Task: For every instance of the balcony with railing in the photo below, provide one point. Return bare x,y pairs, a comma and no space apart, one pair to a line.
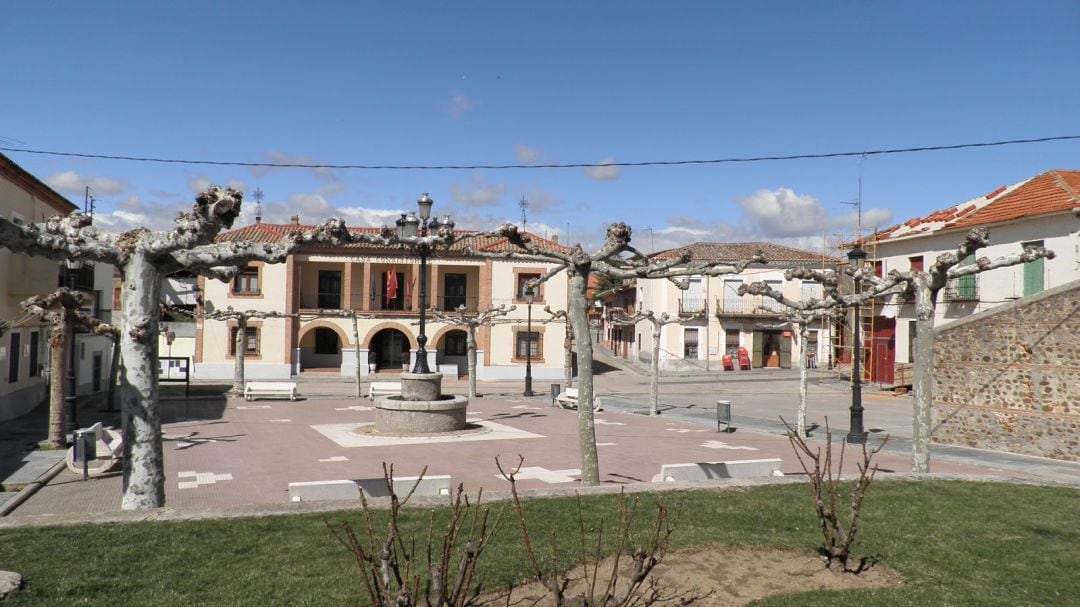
78,278
620,316
451,303
962,289
689,306
748,305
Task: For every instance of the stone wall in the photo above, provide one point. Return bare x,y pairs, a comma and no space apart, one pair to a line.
1009,379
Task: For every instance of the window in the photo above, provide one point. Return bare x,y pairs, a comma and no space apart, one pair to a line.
455,343
522,282
527,345
731,342
454,292
879,268
13,357
811,290
916,263
769,303
812,349
326,341
247,281
251,345
690,343
329,289
1033,271
733,302
34,347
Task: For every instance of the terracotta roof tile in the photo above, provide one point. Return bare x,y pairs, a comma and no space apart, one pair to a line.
271,232
738,251
1050,192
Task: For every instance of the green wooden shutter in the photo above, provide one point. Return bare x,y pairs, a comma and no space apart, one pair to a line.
965,285
1033,271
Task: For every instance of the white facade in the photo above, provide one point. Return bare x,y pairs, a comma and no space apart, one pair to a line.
1058,232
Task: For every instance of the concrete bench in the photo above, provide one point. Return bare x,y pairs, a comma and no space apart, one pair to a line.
701,471
568,399
109,450
384,388
256,389
311,491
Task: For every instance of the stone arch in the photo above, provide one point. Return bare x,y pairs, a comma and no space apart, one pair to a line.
344,336
390,325
433,342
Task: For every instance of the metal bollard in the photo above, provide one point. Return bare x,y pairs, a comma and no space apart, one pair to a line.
723,415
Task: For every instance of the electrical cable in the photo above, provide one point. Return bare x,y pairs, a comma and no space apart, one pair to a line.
576,165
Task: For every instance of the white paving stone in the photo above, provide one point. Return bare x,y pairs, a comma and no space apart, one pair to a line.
605,444
336,458
717,444
527,407
254,407
545,475
343,435
279,421
355,408
604,422
201,478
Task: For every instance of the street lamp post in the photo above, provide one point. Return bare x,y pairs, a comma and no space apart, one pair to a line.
529,295
416,230
856,434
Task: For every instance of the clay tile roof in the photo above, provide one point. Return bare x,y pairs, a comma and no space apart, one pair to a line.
1050,192
737,251
270,233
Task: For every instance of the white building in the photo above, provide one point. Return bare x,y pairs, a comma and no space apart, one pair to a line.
731,321
1041,211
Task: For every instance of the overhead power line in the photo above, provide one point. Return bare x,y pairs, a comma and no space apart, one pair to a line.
575,165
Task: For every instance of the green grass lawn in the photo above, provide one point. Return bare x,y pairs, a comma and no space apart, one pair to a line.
956,543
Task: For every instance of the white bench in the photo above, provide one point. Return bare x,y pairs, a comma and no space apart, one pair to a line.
701,471
568,399
384,388
255,389
109,447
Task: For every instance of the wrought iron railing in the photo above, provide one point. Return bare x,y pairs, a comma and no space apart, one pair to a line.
691,305
964,288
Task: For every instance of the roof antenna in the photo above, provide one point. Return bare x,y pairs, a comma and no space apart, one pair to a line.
858,203
258,196
524,204
88,203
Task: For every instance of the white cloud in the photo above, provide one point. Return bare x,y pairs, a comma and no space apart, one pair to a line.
70,182
604,172
198,184
132,212
782,213
370,218
527,154
459,105
871,220
478,194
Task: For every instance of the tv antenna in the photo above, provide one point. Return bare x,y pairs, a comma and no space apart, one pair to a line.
88,202
524,204
258,196
857,203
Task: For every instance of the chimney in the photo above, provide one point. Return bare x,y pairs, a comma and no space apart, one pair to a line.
258,213
295,219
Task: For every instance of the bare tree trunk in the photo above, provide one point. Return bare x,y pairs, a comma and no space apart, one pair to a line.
922,370
240,348
804,335
144,469
590,465
58,362
654,381
568,355
470,352
356,343
114,375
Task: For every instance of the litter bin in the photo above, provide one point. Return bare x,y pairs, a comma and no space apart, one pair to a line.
85,449
556,390
723,415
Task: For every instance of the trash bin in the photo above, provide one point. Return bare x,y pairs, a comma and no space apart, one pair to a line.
556,390
723,415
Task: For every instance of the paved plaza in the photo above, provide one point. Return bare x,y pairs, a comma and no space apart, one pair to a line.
227,454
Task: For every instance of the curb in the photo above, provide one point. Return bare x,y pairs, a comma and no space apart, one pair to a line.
29,490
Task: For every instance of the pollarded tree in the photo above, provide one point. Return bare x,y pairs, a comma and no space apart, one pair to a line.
658,323
356,336
568,344
471,322
618,259
924,286
144,258
61,309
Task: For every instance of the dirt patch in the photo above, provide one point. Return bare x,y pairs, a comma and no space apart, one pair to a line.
734,576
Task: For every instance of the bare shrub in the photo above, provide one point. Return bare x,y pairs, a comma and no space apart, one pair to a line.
839,531
441,573
622,580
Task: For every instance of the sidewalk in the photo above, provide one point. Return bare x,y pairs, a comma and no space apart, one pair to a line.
229,455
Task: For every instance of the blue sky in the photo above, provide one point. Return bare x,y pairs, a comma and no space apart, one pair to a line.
409,83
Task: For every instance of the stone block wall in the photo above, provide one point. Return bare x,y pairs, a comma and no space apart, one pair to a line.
1009,379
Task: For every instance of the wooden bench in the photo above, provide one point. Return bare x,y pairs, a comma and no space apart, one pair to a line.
109,450
383,388
256,389
568,399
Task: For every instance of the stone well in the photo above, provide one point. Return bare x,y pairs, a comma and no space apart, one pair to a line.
421,408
